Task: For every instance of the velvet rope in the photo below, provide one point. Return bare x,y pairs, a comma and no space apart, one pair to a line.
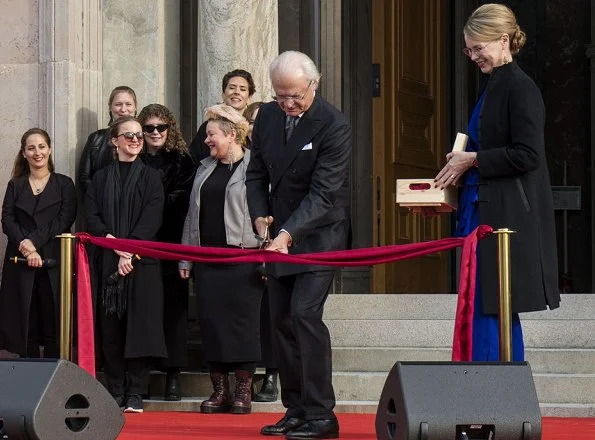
346,258
86,336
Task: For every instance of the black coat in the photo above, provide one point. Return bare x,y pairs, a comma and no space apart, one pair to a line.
177,175
308,178
97,153
54,214
144,337
198,149
515,192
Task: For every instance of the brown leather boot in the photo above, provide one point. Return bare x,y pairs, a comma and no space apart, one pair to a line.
242,403
220,400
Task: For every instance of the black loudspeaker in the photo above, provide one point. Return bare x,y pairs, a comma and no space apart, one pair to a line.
55,400
459,401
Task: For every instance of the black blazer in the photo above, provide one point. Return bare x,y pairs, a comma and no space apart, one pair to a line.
54,214
308,178
198,149
515,192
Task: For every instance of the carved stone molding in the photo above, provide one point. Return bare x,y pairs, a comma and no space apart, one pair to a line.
69,75
234,34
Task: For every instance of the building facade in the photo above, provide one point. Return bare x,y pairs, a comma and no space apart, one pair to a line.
395,68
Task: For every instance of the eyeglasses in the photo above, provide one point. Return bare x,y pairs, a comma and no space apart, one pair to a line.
130,135
294,98
476,50
151,128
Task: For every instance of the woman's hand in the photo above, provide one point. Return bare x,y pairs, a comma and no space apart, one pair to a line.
457,163
34,260
125,266
120,254
184,273
27,247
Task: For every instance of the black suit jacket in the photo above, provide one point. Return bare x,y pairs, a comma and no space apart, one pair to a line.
304,183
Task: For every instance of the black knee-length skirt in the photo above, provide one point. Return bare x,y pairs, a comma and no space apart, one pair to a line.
229,298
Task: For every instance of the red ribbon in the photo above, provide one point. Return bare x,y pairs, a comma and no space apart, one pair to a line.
354,257
86,336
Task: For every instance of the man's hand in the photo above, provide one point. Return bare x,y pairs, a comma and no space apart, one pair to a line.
280,243
184,273
261,224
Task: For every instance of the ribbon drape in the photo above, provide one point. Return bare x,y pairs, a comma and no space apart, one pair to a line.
353,257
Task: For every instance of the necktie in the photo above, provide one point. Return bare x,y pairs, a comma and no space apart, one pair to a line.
290,123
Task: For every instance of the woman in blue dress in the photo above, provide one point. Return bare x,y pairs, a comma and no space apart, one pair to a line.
504,181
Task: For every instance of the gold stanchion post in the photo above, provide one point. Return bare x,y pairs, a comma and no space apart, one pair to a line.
505,303
66,251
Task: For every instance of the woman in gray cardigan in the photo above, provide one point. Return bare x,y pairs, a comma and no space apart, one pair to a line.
229,295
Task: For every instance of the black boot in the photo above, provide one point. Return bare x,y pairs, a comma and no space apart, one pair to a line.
173,387
268,392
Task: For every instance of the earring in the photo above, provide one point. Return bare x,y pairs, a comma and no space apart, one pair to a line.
230,156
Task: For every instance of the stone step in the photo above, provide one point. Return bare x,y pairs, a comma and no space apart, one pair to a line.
438,307
360,407
374,359
356,386
439,333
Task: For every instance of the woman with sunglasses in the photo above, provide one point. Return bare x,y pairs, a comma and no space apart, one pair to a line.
166,151
228,295
38,205
98,151
505,180
125,200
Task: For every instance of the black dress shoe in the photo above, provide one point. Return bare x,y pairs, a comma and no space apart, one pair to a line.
324,428
173,387
283,426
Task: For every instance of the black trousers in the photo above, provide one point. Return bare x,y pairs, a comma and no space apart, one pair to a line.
302,343
42,318
175,319
123,376
267,354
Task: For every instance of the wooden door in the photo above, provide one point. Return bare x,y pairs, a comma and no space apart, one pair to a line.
408,134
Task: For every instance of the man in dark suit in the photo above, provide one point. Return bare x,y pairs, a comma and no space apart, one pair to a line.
298,180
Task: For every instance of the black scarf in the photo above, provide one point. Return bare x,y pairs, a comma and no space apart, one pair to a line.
118,214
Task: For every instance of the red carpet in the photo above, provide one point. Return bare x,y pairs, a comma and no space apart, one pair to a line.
169,426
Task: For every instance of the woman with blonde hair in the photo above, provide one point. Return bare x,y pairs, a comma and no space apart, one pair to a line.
98,150
229,295
505,180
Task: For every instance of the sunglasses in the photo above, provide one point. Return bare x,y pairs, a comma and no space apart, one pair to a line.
151,128
130,135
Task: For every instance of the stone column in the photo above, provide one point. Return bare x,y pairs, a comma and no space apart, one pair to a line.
141,41
234,34
69,78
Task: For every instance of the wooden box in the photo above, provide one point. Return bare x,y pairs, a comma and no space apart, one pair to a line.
419,193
